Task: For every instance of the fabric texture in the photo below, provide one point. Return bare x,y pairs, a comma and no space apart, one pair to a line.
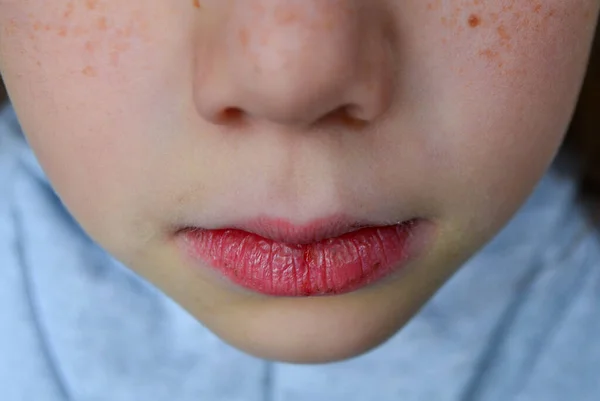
519,321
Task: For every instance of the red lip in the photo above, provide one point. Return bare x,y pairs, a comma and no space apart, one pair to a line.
280,230
327,256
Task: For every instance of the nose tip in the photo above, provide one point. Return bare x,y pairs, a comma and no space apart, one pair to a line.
296,62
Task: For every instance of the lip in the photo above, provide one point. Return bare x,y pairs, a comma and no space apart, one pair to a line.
325,257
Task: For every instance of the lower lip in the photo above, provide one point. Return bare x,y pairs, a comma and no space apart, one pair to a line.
328,267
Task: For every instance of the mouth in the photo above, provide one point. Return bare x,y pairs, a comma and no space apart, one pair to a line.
326,257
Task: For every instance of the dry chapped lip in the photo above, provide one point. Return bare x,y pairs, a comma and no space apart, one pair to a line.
284,264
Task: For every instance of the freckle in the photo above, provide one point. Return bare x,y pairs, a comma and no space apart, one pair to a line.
489,54
326,25
434,5
507,7
537,8
89,46
124,33
286,16
244,37
69,10
47,27
89,71
502,33
196,3
121,47
62,31
91,4
101,23
474,21
129,30
79,30
37,25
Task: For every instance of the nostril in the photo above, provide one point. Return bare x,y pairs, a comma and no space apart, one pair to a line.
347,116
230,116
355,116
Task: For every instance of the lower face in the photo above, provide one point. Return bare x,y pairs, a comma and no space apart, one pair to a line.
301,176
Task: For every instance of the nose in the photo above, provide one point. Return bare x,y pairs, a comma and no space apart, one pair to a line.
295,63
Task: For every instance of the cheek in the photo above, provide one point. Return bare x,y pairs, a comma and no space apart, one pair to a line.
504,105
519,73
65,50
55,56
517,49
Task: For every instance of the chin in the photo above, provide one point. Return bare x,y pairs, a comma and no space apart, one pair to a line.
315,330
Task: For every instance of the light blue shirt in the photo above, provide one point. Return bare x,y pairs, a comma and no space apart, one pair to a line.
520,321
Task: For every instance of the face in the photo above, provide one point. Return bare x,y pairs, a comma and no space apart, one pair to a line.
271,123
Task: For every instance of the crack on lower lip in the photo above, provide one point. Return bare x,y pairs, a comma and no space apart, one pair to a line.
333,267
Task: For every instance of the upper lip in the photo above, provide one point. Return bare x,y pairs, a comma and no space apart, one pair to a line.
282,230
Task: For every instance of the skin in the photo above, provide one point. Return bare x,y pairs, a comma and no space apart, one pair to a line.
456,110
